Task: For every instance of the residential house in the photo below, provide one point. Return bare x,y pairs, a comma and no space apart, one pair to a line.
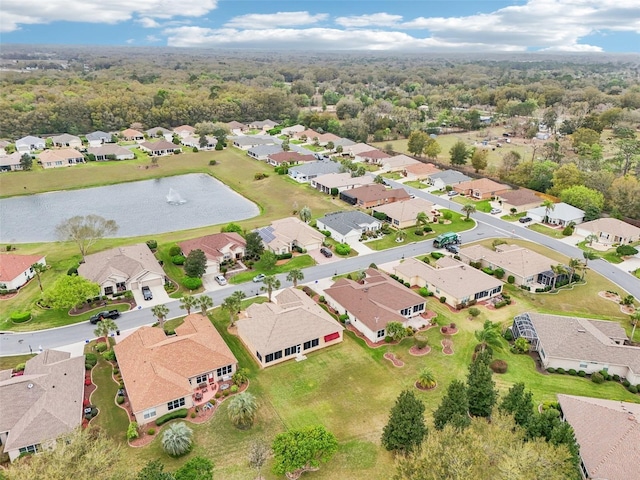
41,405
355,149
307,172
132,135
290,131
308,135
458,283
481,188
160,148
372,156
610,231
16,270
30,144
111,152
245,142
375,302
562,214
522,199
325,138
370,196
344,143
237,127
397,163
123,268
66,140
441,180
9,163
287,233
218,248
403,214
64,157
98,138
165,373
184,131
608,433
193,141
160,132
340,181
420,171
262,152
580,344
290,327
348,226
291,158
263,125
526,266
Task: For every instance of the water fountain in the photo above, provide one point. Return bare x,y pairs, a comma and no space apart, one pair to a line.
174,198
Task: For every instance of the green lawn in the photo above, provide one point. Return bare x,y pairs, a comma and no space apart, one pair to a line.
481,205
9,363
549,232
415,184
392,175
301,261
513,217
315,148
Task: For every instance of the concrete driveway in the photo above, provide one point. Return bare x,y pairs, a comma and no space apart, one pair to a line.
320,258
160,296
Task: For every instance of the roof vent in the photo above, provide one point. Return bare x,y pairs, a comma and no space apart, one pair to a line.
581,330
30,385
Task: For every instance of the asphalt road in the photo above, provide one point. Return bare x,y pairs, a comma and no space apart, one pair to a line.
488,226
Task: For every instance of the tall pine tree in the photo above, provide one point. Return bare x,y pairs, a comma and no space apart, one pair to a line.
454,408
481,387
406,428
518,403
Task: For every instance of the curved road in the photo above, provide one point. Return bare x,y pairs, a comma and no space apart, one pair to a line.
488,226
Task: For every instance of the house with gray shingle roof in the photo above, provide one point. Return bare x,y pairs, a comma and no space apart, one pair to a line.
562,214
98,138
340,181
580,344
344,143
288,328
349,226
160,132
29,144
307,172
42,404
245,142
111,152
262,152
67,140
447,177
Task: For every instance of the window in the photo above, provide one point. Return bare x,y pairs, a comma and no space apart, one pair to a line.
496,290
310,344
173,404
226,370
405,312
277,355
380,333
268,358
149,413
331,336
583,365
201,378
418,308
290,351
31,449
259,356
481,294
108,290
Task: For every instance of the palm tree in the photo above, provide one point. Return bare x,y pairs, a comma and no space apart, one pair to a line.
242,410
489,335
295,275
233,304
426,379
187,303
38,268
591,238
634,321
271,283
305,214
104,328
160,312
400,236
574,264
421,219
204,302
558,270
588,255
549,206
177,439
469,208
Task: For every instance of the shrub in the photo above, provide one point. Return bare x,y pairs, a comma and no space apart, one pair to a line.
152,244
180,413
20,317
101,347
90,360
213,162
109,356
191,283
436,255
551,370
388,339
225,393
626,250
119,399
498,273
132,431
427,229
174,250
260,176
511,279
116,370
72,271
284,256
626,383
567,231
193,415
444,330
424,291
616,377
632,389
508,335
234,388
19,367
151,431
560,370
443,299
344,317
178,259
582,373
418,232
498,366
343,249
572,372
605,374
597,378
218,395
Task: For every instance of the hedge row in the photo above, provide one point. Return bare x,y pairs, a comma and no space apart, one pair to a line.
181,413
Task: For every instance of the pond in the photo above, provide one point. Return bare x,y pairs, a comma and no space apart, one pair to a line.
139,208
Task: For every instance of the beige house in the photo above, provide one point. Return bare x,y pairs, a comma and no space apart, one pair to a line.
371,156
526,266
397,164
608,432
123,268
67,140
609,231
288,328
286,233
403,214
12,162
163,373
111,152
580,344
184,131
160,148
376,302
457,282
132,135
369,196
481,189
64,157
42,405
356,149
218,248
521,199
340,181
420,171
16,270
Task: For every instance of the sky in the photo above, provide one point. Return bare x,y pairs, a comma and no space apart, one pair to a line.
350,25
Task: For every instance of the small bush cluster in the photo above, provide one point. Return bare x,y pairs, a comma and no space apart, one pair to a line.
174,250
19,367
436,255
511,279
180,413
284,256
101,347
109,356
498,366
191,283
152,431
343,249
551,370
132,431
561,371
72,271
178,259
213,162
119,399
20,317
344,317
582,373
260,176
90,360
632,389
597,378
424,292
152,244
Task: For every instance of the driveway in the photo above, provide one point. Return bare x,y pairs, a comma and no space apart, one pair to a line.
361,248
320,258
160,296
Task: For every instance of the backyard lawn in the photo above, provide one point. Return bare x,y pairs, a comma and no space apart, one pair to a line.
301,261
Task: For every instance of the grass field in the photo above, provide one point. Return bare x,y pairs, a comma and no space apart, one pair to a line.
549,232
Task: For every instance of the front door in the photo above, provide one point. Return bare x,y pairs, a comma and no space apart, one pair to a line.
298,349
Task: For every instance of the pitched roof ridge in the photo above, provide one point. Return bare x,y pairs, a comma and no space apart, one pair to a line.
621,438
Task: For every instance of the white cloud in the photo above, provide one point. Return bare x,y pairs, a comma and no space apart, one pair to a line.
25,12
273,20
153,38
147,22
375,19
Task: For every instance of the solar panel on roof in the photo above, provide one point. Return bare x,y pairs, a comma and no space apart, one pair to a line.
266,234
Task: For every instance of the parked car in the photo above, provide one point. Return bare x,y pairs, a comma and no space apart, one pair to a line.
98,317
412,195
146,293
453,249
495,211
524,219
326,252
259,277
221,280
452,193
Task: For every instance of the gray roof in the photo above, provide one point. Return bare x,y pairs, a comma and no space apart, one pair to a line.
45,402
111,149
244,140
344,142
263,150
65,138
345,222
30,140
317,168
152,132
450,177
562,211
8,160
98,135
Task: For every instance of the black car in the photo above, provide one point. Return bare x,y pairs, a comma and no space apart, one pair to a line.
453,248
326,252
524,219
146,293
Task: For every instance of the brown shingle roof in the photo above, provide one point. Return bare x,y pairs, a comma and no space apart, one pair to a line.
612,226
521,196
374,154
156,368
13,265
212,245
484,185
371,193
406,210
130,133
62,154
518,260
422,168
291,157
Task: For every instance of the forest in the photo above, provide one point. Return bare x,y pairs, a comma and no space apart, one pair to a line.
589,104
